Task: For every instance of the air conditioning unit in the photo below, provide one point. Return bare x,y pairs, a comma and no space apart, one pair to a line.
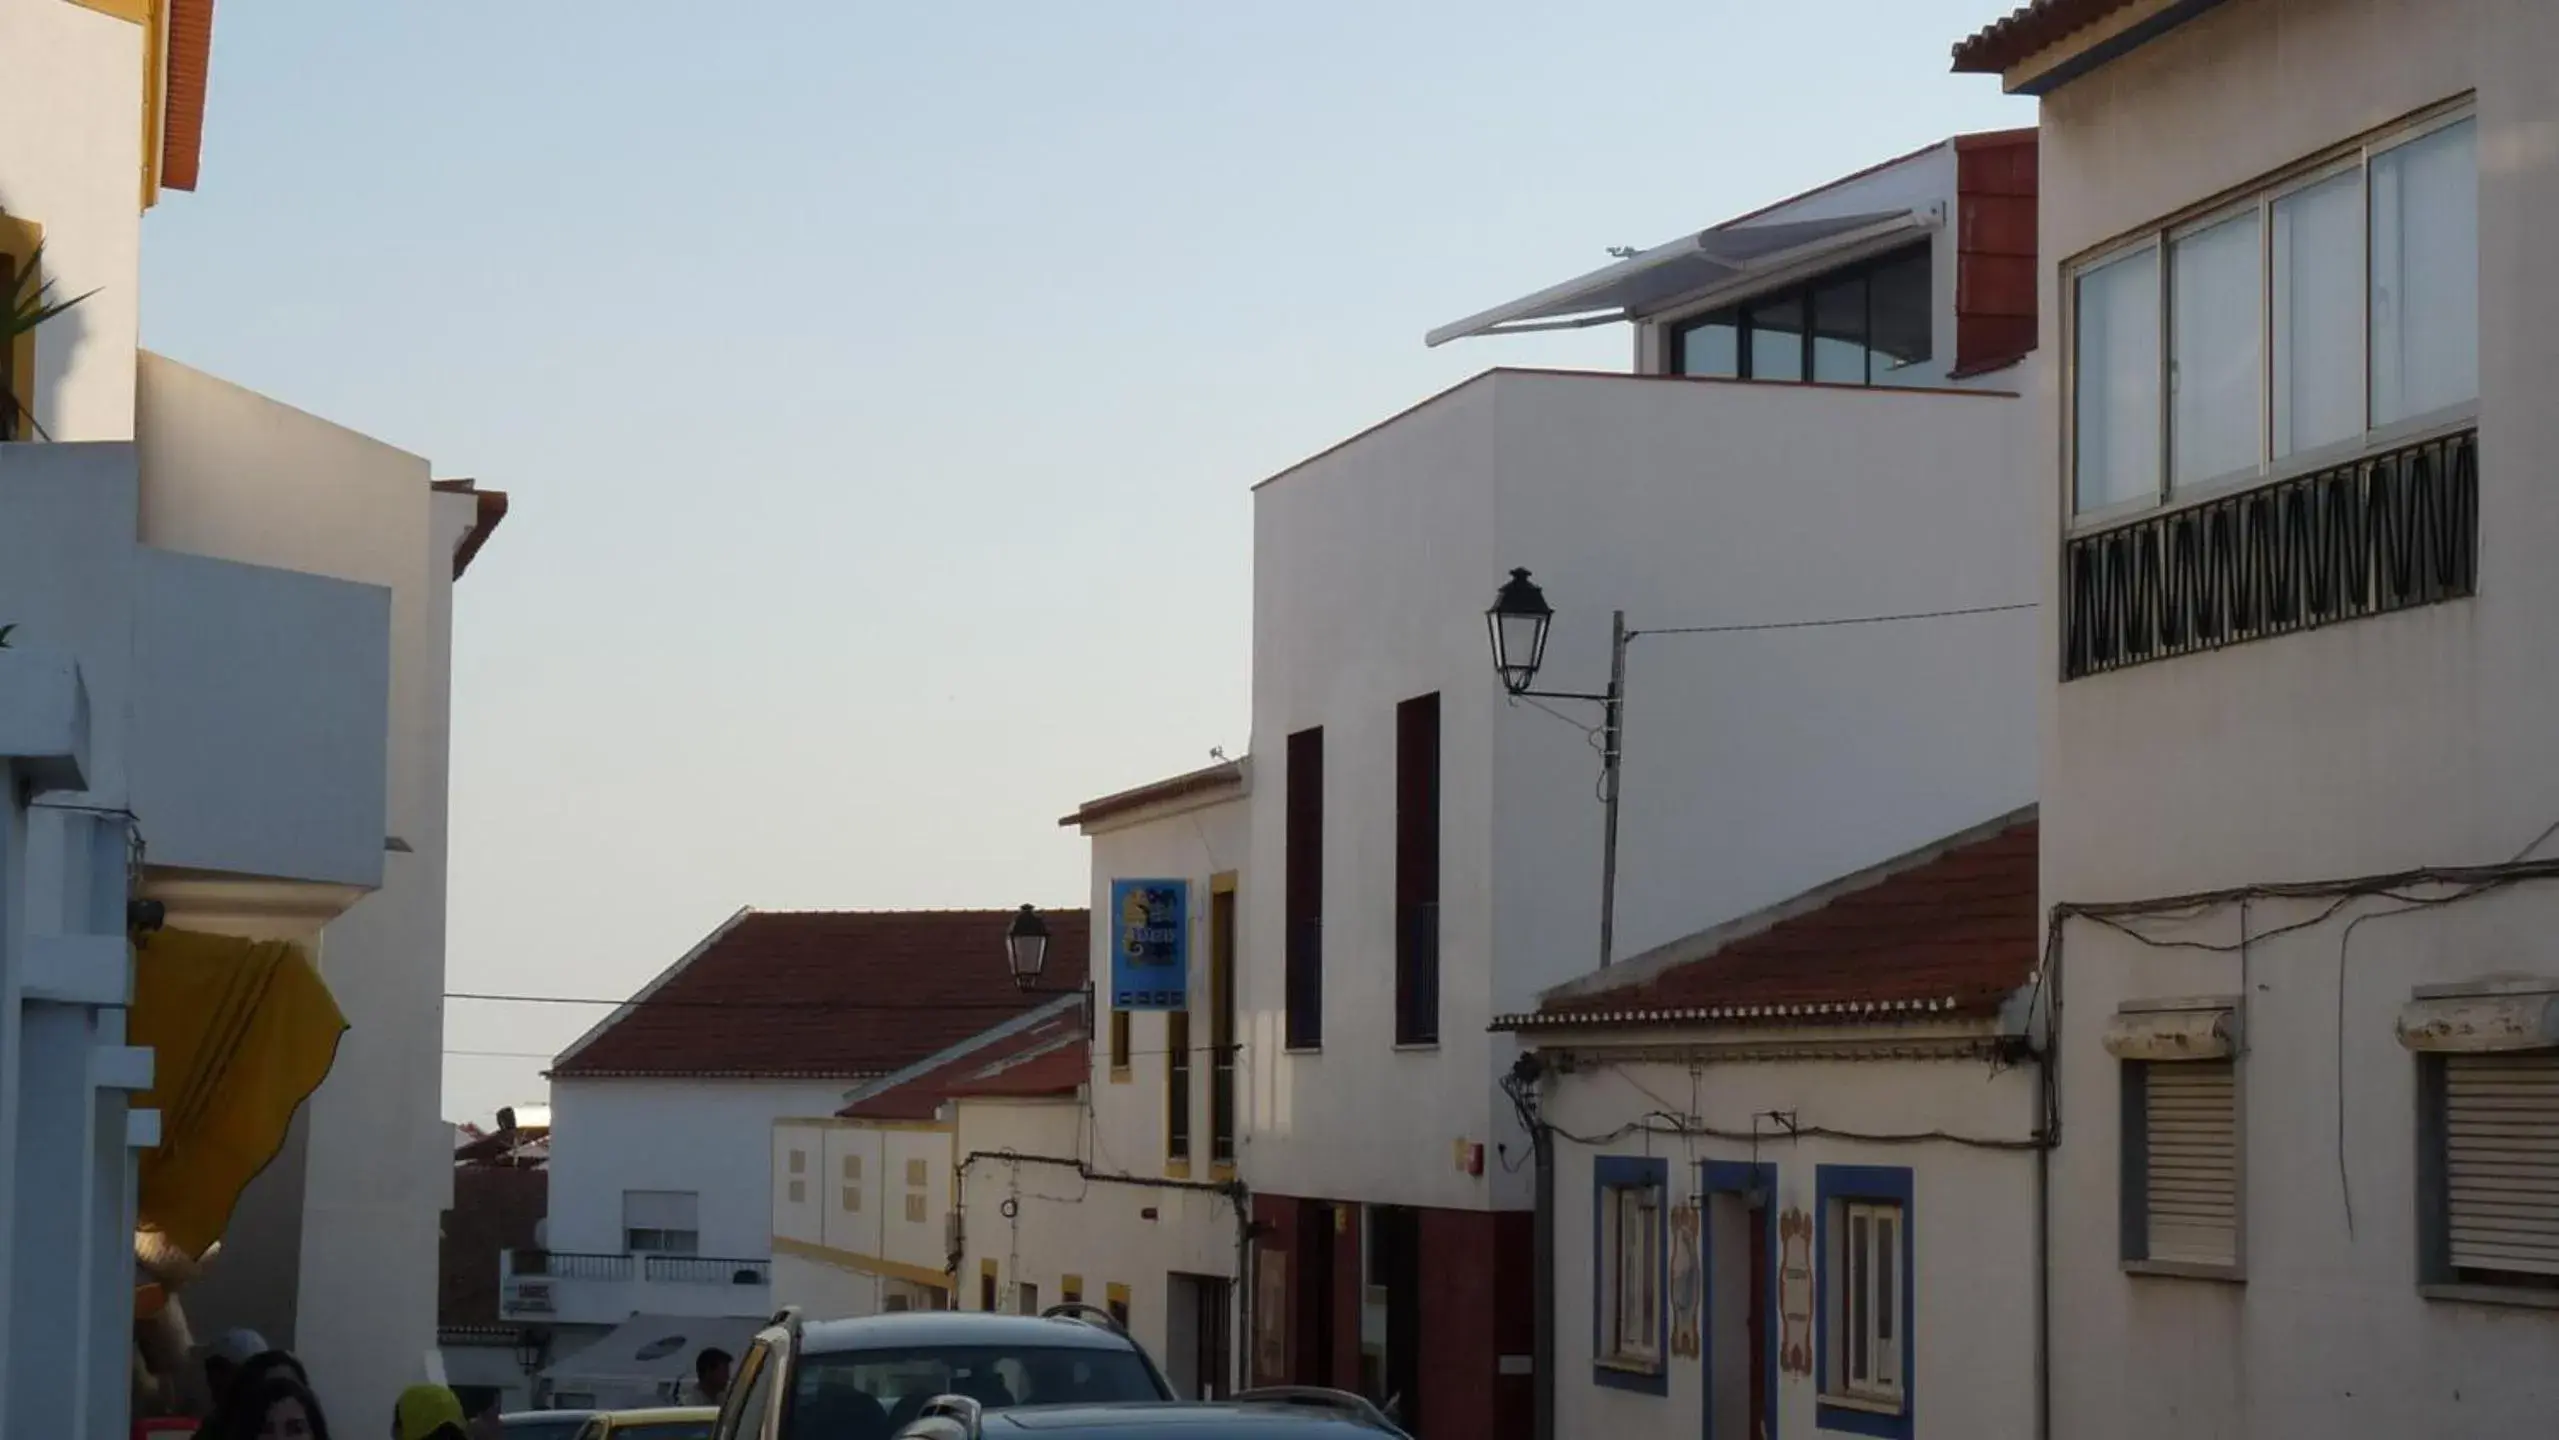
528,1295
954,1235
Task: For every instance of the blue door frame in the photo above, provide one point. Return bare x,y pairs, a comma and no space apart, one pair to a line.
1737,1177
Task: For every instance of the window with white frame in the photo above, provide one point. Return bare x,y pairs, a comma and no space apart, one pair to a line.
2181,1163
2283,329
661,1222
1631,1264
1866,1301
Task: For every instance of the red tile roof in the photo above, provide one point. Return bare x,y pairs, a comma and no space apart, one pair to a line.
491,508
1951,930
2028,29
190,47
1045,1051
826,995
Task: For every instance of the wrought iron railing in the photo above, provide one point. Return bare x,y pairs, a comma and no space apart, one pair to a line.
706,1270
2385,532
571,1265
1417,974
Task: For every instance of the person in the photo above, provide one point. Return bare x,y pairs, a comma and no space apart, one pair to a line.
223,1359
710,1377
235,1415
428,1412
280,1407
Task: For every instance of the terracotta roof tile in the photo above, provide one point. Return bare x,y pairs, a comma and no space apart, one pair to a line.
1954,932
827,995
2030,28
190,45
1050,1057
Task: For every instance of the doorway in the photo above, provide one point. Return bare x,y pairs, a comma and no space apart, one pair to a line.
1391,1309
1198,1330
1738,1308
1315,1293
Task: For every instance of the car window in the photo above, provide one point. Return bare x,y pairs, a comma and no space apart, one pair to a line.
592,1430
542,1429
750,1395
871,1394
665,1430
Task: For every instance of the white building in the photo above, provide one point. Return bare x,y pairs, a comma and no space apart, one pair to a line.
1039,1162
1425,855
662,1116
2309,1172
1796,1159
228,665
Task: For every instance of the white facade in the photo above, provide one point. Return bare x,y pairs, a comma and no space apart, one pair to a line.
2372,745
1758,765
706,1139
861,1215
1970,1213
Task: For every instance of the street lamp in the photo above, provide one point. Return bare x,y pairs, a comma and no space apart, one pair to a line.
1517,624
1026,947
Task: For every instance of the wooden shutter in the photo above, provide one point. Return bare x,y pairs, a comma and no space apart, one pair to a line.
2190,1189
2501,1162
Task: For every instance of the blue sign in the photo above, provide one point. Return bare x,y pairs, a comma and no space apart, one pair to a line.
1150,944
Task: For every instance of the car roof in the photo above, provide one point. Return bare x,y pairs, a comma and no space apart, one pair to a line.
956,1327
1177,1420
660,1413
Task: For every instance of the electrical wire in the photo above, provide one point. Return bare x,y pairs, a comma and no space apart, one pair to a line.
648,1002
1828,624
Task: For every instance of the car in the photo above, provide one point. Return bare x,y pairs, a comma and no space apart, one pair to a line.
668,1422
869,1378
1290,1413
544,1424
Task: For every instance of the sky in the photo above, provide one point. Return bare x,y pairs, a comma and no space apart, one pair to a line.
879,388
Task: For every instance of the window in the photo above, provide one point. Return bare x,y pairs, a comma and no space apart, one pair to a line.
852,1195
1864,1348
1305,884
1028,1295
1119,1044
1177,1086
1221,1020
2181,1165
799,1185
1115,1300
661,1222
1858,326
2490,1173
986,1285
2338,302
916,1176
1417,871
1630,1264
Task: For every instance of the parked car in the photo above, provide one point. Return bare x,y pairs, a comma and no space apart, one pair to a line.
544,1424
672,1422
868,1379
1293,1413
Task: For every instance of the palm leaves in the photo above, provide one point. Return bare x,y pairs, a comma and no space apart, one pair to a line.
31,303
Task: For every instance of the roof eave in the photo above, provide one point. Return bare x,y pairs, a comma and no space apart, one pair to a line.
2039,49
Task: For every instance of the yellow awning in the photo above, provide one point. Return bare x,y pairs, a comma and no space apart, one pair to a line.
242,1032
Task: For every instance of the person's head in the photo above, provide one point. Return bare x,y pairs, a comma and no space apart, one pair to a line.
225,1357
427,1412
711,1371
283,1408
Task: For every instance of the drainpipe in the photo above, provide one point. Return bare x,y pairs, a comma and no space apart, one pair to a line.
1542,1246
2043,1290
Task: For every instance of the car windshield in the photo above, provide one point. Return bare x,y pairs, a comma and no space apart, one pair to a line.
542,1429
664,1430
871,1394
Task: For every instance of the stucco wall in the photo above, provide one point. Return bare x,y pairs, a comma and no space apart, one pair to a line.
1758,765
2412,739
71,103
712,1137
1971,1221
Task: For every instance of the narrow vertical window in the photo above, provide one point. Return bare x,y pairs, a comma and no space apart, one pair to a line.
1417,802
2116,418
1305,884
1177,1087
2425,274
2213,354
1119,1042
2318,299
1221,1022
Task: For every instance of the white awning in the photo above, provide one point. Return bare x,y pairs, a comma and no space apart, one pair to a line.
1725,257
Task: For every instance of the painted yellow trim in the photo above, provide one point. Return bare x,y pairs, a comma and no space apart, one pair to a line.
865,1264
1222,1170
1223,882
132,10
1177,1169
155,94
1120,1045
1115,1299
18,241
1070,1289
839,1122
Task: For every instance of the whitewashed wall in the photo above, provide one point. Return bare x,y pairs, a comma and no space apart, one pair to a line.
71,105
1971,1220
857,1236
712,1137
2412,739
1758,765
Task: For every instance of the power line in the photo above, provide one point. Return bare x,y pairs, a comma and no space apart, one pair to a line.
1826,624
1031,1001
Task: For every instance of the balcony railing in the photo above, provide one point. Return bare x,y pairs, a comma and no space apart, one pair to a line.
2382,533
1417,974
706,1270
570,1265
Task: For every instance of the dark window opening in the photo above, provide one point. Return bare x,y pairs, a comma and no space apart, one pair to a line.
1304,906
1863,325
1221,1026
1417,871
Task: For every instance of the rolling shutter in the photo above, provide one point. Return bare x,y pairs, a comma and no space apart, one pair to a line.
2190,1192
2501,1162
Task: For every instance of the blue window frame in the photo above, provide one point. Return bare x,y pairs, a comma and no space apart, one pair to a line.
1736,1177
1864,1246
1630,1273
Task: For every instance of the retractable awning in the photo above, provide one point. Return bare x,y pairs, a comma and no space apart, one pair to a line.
1693,265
